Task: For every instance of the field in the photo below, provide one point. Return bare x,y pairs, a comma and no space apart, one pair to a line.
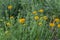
29,19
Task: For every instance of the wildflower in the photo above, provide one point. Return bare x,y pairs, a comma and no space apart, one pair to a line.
52,24
11,17
58,25
45,17
56,20
8,24
34,12
40,23
22,20
36,17
41,10
10,7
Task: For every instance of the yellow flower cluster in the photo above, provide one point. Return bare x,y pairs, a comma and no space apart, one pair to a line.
55,23
37,17
35,12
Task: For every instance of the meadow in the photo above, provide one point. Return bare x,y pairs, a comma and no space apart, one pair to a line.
29,19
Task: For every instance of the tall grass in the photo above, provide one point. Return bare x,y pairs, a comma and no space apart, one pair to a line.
30,20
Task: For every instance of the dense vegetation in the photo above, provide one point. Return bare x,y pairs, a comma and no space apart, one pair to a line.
29,19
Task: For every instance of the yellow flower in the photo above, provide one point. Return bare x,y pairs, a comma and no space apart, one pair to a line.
52,24
58,25
36,17
11,17
34,12
40,24
57,20
45,17
10,7
41,10
8,24
22,20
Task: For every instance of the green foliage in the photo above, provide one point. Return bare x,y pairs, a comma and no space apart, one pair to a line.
30,30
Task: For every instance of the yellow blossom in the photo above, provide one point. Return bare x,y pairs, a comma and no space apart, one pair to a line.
11,17
51,24
56,19
58,25
41,10
36,17
10,7
8,24
22,20
34,12
45,17
40,24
